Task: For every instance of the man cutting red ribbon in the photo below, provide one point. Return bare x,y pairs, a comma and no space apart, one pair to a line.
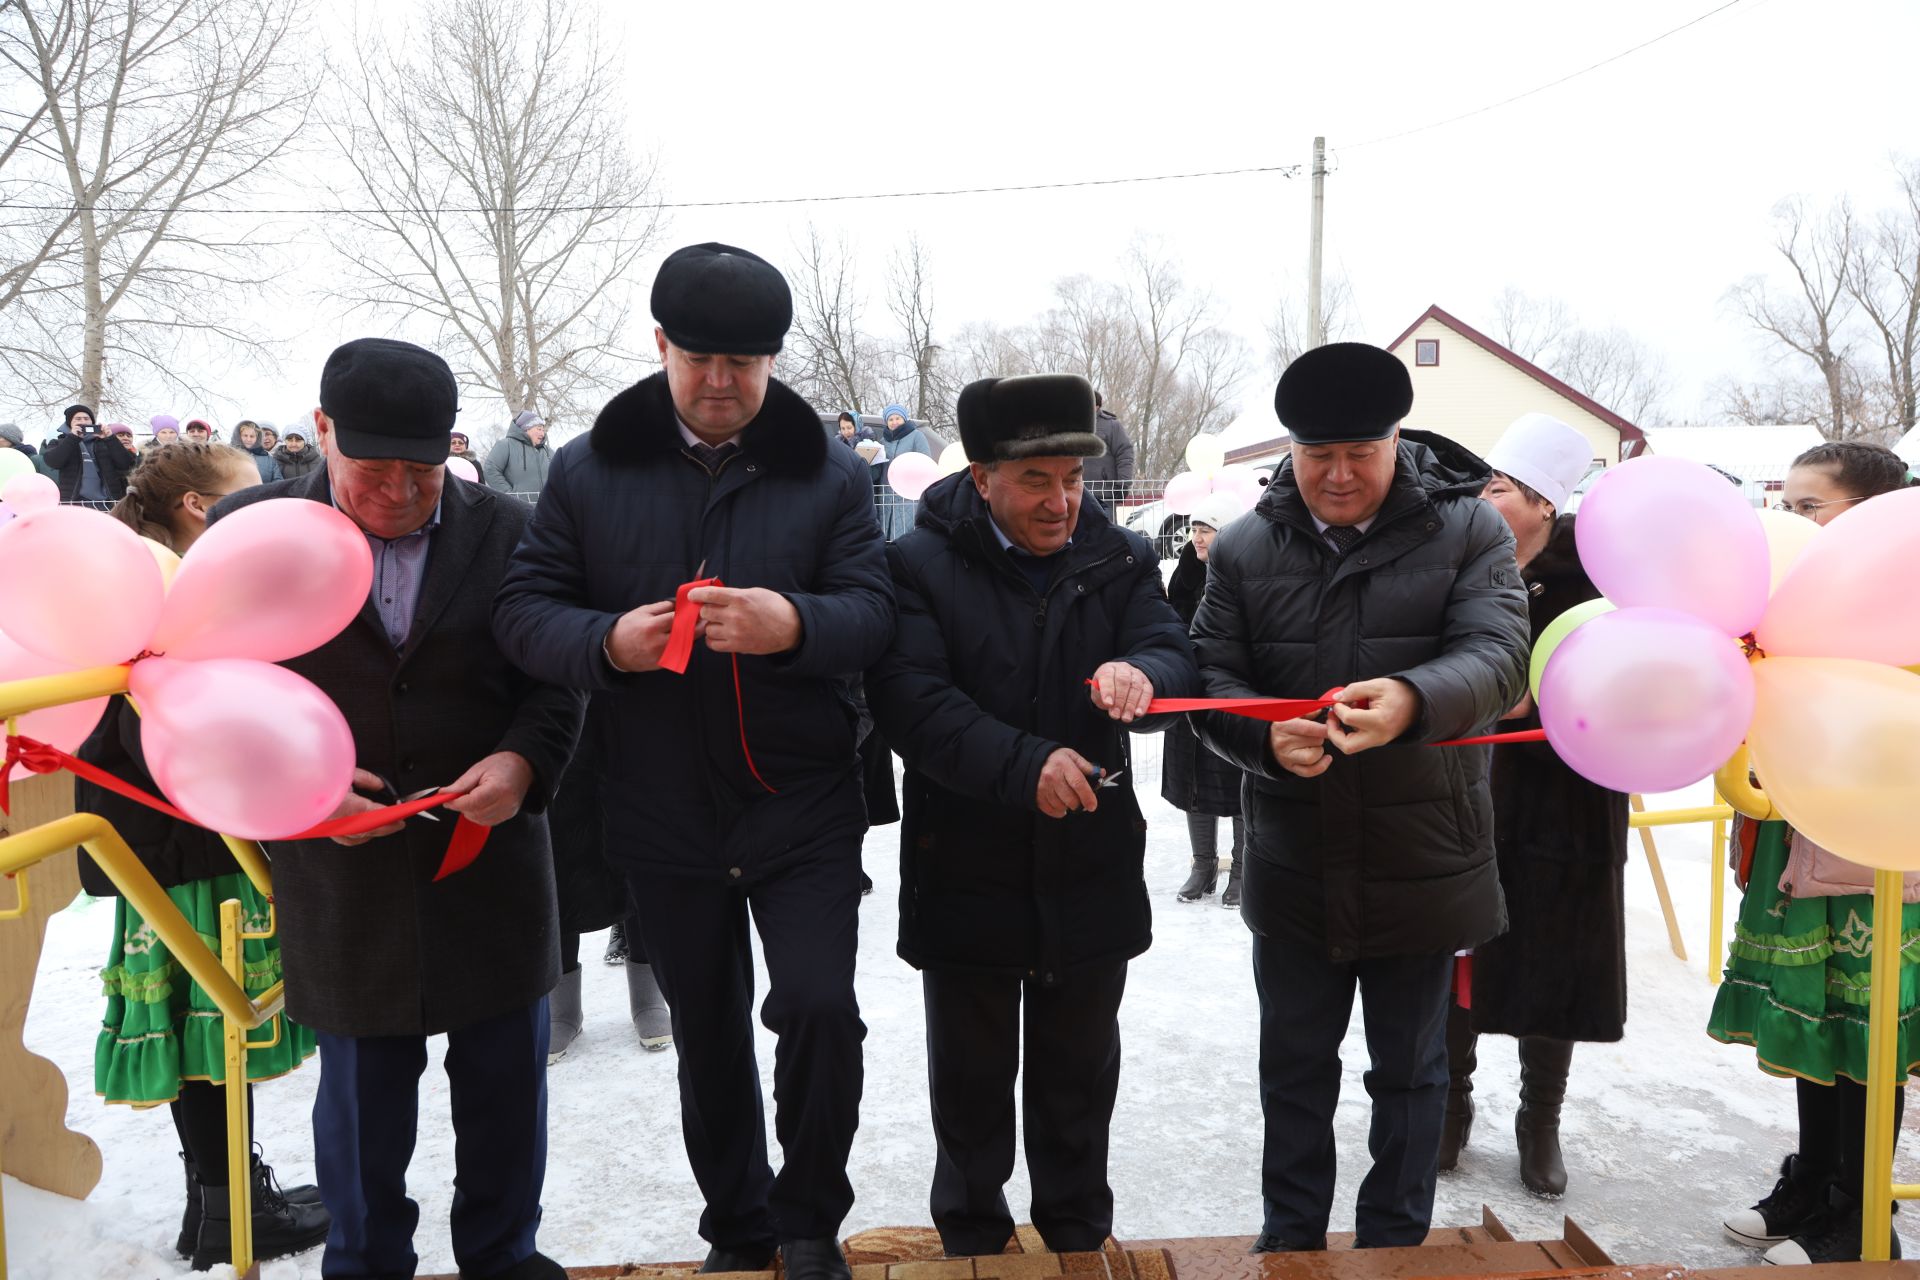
379,955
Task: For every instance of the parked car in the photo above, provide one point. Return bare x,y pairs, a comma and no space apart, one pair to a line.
1169,530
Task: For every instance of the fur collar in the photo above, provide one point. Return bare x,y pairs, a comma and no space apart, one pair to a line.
639,425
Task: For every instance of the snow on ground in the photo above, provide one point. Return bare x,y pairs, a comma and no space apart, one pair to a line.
1664,1132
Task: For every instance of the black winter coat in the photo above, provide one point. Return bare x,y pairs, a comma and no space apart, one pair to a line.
175,852
626,517
1560,970
1389,852
985,680
1192,778
63,457
373,945
592,894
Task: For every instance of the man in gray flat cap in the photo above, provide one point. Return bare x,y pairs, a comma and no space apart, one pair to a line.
732,781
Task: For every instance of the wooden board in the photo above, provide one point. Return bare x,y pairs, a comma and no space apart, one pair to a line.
35,1144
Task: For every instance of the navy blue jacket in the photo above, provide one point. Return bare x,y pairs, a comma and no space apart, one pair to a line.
985,679
628,515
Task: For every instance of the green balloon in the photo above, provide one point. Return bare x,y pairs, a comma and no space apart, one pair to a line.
1557,630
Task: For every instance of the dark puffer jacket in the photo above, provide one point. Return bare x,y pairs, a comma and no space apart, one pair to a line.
1389,852
626,517
1560,970
985,679
296,466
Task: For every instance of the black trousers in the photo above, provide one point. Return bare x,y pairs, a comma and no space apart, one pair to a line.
366,1117
1306,1002
1833,1129
1072,1030
808,918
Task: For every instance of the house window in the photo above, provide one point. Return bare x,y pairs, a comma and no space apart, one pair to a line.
1426,351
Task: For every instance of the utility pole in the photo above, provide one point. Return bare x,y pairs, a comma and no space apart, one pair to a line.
1316,329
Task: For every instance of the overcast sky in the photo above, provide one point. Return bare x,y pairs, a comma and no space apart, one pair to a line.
1637,193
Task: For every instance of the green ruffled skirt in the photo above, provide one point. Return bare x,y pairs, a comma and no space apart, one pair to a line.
1797,976
160,1027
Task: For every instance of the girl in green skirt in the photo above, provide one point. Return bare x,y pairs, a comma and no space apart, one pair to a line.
1796,985
163,1040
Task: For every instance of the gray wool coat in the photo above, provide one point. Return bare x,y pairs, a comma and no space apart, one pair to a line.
372,946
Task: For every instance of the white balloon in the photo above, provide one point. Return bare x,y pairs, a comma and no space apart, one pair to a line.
953,458
1205,454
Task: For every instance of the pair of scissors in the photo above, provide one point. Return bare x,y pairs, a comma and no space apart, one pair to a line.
393,797
1102,780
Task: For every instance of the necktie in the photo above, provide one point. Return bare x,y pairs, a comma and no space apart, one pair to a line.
1342,536
711,456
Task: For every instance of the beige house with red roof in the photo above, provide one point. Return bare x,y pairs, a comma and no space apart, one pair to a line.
1468,387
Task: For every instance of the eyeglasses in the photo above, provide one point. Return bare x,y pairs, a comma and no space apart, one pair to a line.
1810,509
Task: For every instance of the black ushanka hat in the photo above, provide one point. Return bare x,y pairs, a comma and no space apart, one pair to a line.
1343,393
1040,415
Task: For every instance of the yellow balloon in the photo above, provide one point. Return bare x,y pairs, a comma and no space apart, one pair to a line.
1787,535
164,557
1206,455
1837,741
1734,781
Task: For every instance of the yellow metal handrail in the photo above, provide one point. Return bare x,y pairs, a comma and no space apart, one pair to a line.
1719,813
222,977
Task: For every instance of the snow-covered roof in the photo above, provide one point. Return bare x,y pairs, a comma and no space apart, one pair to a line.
1252,427
1767,451
1909,448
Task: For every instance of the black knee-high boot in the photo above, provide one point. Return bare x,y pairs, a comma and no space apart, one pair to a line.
1543,1087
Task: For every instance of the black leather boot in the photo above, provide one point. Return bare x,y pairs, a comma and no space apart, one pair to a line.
280,1227
1200,881
305,1193
1463,1055
1543,1087
1230,896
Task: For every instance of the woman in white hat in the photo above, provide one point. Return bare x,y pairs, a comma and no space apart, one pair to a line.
1558,975
1193,779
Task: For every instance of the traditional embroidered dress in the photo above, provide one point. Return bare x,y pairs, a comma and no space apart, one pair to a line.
160,1027
1797,975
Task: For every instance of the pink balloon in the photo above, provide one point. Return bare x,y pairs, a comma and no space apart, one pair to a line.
911,473
242,591
1646,700
27,494
6,513
243,747
464,469
79,587
1854,591
1185,490
65,727
1669,533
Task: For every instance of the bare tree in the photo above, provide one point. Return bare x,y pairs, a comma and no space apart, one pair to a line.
1530,327
498,195
1811,319
1763,403
1883,278
1287,330
923,361
1614,368
137,124
828,358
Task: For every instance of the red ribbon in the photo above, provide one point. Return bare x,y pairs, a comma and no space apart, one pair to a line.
37,757
686,617
1278,709
679,652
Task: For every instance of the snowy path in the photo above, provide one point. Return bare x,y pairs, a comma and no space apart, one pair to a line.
1664,1132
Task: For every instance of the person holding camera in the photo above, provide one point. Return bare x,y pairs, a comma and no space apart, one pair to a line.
88,466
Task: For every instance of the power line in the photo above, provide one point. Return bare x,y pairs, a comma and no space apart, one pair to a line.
1285,170
1573,75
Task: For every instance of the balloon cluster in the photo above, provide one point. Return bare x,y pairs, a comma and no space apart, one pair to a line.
1209,473
1722,625
238,744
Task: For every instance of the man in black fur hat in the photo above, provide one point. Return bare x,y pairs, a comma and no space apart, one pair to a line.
732,790
1369,563
1021,895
